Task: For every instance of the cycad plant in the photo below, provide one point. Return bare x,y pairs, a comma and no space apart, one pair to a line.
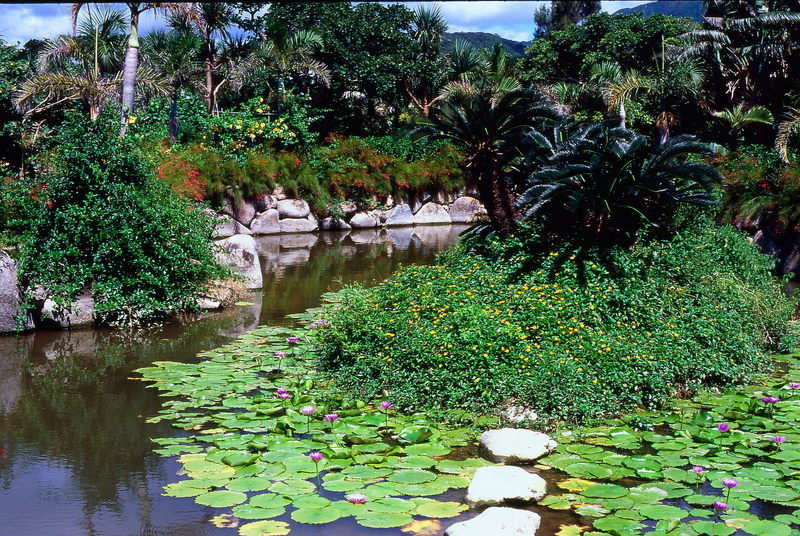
489,129
604,185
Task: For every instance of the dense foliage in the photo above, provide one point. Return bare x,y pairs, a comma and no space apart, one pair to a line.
569,340
95,216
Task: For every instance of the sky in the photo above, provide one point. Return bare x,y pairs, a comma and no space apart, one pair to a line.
510,19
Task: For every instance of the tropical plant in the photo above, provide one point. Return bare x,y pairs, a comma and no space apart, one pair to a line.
604,185
740,116
488,128
175,55
789,127
282,53
80,67
421,84
617,86
131,63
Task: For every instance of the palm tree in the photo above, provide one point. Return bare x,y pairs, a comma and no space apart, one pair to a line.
79,67
422,84
283,53
174,54
603,185
739,116
618,86
131,63
489,129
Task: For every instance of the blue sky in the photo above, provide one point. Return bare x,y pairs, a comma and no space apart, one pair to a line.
510,19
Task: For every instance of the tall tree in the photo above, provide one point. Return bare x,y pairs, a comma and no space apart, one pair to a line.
422,83
131,64
561,14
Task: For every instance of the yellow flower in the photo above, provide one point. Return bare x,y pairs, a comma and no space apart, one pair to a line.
131,119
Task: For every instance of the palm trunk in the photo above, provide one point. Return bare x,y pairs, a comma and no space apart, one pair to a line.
497,197
129,69
622,115
211,102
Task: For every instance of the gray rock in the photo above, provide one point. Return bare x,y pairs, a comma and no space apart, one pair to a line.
298,241
431,213
515,445
503,484
497,521
333,224
444,198
265,202
293,208
295,225
364,236
266,223
400,215
466,210
227,226
207,304
79,314
364,220
10,296
278,193
239,253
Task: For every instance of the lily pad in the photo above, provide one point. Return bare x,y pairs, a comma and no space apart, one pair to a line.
663,511
250,483
391,505
439,509
605,491
412,476
310,502
316,516
269,500
246,511
766,527
616,524
265,528
377,520
221,498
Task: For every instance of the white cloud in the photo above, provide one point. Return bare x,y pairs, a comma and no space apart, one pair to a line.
33,21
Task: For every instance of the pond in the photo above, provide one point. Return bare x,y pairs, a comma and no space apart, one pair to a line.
75,452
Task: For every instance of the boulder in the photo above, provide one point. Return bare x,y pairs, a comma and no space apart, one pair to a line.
401,237
279,193
243,212
466,210
333,224
266,223
79,314
265,202
293,208
297,225
431,213
364,220
497,521
10,297
443,197
227,226
504,484
239,253
515,445
400,215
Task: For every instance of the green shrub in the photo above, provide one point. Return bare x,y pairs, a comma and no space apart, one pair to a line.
95,216
475,332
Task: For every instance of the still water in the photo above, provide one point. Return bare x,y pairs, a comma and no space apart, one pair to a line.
75,452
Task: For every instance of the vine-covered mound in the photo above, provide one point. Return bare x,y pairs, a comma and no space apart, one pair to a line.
570,340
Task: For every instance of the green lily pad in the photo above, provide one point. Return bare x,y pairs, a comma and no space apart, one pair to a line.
591,510
437,509
419,490
362,472
316,516
269,500
391,505
378,520
246,511
775,494
427,449
767,527
416,462
588,470
250,483
342,485
293,487
663,511
605,491
221,498
310,502
265,528
412,476
179,490
712,528
616,524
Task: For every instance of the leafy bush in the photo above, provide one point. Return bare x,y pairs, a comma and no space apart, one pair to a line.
757,181
95,216
346,168
670,316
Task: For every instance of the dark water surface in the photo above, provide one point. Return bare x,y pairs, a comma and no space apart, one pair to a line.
75,451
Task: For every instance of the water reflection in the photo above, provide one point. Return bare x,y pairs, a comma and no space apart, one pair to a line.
75,450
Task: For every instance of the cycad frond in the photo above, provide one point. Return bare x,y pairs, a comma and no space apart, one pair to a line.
740,116
789,127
